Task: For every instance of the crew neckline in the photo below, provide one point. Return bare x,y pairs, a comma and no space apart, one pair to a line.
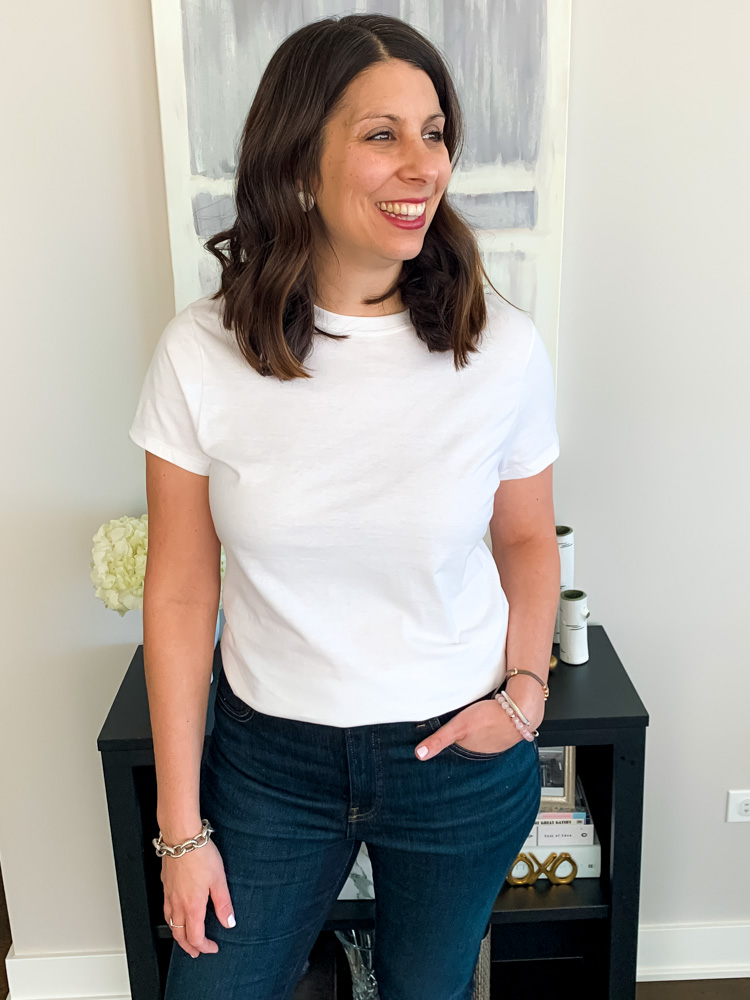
360,326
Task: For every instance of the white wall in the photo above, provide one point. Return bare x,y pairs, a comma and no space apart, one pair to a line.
87,285
654,422
653,419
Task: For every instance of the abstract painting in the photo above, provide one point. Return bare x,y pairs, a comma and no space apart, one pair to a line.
509,60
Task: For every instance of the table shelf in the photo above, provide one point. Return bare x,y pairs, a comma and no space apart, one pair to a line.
587,929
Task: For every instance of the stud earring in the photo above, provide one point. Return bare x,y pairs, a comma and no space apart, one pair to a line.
307,202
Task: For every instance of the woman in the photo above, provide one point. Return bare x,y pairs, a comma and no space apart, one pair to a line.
347,414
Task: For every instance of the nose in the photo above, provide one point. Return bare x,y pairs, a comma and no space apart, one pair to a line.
419,163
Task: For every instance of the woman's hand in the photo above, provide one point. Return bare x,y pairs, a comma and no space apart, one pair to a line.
188,881
485,726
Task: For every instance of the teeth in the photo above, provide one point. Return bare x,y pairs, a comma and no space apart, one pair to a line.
405,210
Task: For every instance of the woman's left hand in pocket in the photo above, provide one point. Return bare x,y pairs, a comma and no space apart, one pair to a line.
483,727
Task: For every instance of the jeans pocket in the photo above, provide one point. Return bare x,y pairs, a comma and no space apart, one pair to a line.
230,703
460,751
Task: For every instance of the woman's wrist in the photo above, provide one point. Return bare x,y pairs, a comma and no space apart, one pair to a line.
528,694
516,716
178,831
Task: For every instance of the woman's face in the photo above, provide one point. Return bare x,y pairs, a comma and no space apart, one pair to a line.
383,145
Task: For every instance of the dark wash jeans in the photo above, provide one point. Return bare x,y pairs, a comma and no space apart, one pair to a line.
291,803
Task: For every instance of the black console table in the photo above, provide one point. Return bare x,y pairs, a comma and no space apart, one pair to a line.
559,938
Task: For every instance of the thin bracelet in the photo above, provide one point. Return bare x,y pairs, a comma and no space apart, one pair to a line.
516,709
513,671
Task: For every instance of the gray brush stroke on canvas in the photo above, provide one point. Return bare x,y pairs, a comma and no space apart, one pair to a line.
496,50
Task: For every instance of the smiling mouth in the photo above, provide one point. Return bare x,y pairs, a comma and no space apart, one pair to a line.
402,210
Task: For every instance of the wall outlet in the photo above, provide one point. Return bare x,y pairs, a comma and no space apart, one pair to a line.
738,806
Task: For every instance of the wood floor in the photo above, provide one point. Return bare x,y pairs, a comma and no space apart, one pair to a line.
697,989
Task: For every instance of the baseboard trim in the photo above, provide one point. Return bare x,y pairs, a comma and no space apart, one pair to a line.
692,951
82,976
666,952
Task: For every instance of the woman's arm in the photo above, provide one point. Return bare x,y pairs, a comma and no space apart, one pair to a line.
180,603
525,550
178,653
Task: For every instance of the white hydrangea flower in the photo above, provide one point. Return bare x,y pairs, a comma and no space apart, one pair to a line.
118,563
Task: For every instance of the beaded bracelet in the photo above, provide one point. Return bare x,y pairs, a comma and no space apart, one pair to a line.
516,709
517,717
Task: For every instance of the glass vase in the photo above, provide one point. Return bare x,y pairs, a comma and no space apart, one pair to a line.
359,948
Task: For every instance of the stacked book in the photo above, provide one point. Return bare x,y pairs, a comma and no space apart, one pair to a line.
572,832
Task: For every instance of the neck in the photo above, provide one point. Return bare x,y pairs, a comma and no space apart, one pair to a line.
343,289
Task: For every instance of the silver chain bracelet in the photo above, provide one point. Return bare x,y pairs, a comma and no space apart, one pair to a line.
189,845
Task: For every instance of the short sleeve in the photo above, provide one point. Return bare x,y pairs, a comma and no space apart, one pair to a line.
533,442
168,410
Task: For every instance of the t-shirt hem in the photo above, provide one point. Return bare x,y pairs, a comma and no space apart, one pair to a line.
168,452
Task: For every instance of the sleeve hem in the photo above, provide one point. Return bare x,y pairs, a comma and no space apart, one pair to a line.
532,469
166,451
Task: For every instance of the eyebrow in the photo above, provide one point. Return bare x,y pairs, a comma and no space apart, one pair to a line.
395,118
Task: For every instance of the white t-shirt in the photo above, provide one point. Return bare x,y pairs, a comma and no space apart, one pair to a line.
353,505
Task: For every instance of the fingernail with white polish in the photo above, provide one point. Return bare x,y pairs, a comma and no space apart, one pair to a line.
230,920
422,752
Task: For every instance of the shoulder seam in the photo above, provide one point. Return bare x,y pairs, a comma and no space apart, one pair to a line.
200,355
522,380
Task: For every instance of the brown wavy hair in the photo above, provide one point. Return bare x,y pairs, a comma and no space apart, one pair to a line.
267,279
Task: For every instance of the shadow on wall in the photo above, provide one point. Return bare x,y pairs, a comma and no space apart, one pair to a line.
5,941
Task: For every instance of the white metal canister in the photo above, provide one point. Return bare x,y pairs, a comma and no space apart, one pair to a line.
574,614
567,549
